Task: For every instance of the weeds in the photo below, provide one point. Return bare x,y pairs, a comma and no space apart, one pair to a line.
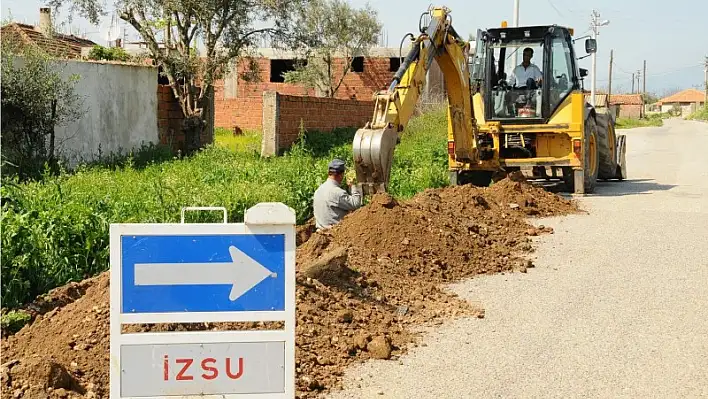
700,115
650,120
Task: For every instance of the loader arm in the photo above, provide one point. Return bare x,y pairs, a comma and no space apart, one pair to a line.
374,144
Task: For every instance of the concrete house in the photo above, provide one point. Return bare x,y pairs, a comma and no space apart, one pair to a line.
628,105
688,101
624,105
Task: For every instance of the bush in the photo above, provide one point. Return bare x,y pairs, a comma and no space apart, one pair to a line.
109,54
700,115
56,230
35,100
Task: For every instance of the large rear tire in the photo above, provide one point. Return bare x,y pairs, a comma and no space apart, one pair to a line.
606,146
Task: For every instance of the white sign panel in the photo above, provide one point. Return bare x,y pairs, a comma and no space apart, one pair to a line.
199,273
195,369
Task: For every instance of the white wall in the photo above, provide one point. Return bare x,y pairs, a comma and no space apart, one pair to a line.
686,108
120,103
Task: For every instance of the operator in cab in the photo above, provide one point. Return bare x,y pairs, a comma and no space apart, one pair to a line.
331,201
526,75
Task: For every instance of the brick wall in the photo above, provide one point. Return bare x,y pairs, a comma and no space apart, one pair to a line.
283,115
631,111
170,118
244,113
239,104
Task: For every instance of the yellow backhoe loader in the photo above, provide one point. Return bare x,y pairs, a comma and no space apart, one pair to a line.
501,117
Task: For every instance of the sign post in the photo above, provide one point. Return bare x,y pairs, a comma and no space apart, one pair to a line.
204,273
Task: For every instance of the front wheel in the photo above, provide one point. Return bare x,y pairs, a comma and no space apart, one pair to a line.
621,169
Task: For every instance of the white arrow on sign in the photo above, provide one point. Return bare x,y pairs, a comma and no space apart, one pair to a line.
243,272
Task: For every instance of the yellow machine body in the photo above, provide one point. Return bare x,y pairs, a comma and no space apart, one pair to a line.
572,139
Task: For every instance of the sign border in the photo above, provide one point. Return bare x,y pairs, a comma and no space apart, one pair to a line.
178,229
263,218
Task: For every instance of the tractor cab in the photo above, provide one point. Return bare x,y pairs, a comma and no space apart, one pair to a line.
544,75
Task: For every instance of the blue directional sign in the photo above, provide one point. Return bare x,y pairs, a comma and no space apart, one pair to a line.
202,273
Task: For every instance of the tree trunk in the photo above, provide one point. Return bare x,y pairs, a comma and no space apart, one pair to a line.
192,126
52,134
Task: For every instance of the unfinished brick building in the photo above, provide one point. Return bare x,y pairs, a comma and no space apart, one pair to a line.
239,103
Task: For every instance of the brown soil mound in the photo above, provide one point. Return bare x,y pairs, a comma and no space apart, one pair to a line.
360,287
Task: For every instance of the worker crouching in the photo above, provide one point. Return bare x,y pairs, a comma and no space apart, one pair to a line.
331,201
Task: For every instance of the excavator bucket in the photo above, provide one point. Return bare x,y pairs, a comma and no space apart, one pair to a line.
373,155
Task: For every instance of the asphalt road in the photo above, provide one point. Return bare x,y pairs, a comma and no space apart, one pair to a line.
616,307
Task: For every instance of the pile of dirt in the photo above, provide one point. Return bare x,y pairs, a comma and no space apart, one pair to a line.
515,193
361,286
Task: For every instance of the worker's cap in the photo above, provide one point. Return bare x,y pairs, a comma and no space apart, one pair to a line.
336,165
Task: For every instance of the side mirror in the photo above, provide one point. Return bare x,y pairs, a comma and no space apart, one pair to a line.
583,72
590,46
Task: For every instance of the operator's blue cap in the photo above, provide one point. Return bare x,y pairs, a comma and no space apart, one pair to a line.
337,165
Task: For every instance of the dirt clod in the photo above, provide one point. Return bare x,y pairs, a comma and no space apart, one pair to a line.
361,341
330,268
345,316
380,347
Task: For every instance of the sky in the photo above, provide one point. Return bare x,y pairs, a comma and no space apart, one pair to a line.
671,38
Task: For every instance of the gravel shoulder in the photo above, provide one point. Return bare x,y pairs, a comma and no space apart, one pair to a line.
617,305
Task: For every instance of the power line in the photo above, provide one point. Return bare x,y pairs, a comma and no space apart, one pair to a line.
555,8
659,73
622,70
675,70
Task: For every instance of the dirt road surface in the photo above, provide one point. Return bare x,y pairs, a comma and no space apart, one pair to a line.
616,307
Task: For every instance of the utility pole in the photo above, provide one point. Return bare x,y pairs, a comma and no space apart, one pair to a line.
644,79
639,79
515,22
632,83
705,71
609,85
594,24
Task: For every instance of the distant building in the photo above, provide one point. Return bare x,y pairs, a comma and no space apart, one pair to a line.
628,105
624,105
600,99
53,43
688,101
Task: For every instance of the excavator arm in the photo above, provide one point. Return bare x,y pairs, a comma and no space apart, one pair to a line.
374,144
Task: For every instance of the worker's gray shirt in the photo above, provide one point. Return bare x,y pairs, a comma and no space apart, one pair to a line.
332,203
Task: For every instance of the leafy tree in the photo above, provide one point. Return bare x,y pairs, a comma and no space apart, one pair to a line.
110,54
649,98
35,100
172,30
332,29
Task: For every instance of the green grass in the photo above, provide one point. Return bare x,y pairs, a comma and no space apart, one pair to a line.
650,120
700,115
14,320
56,230
249,141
